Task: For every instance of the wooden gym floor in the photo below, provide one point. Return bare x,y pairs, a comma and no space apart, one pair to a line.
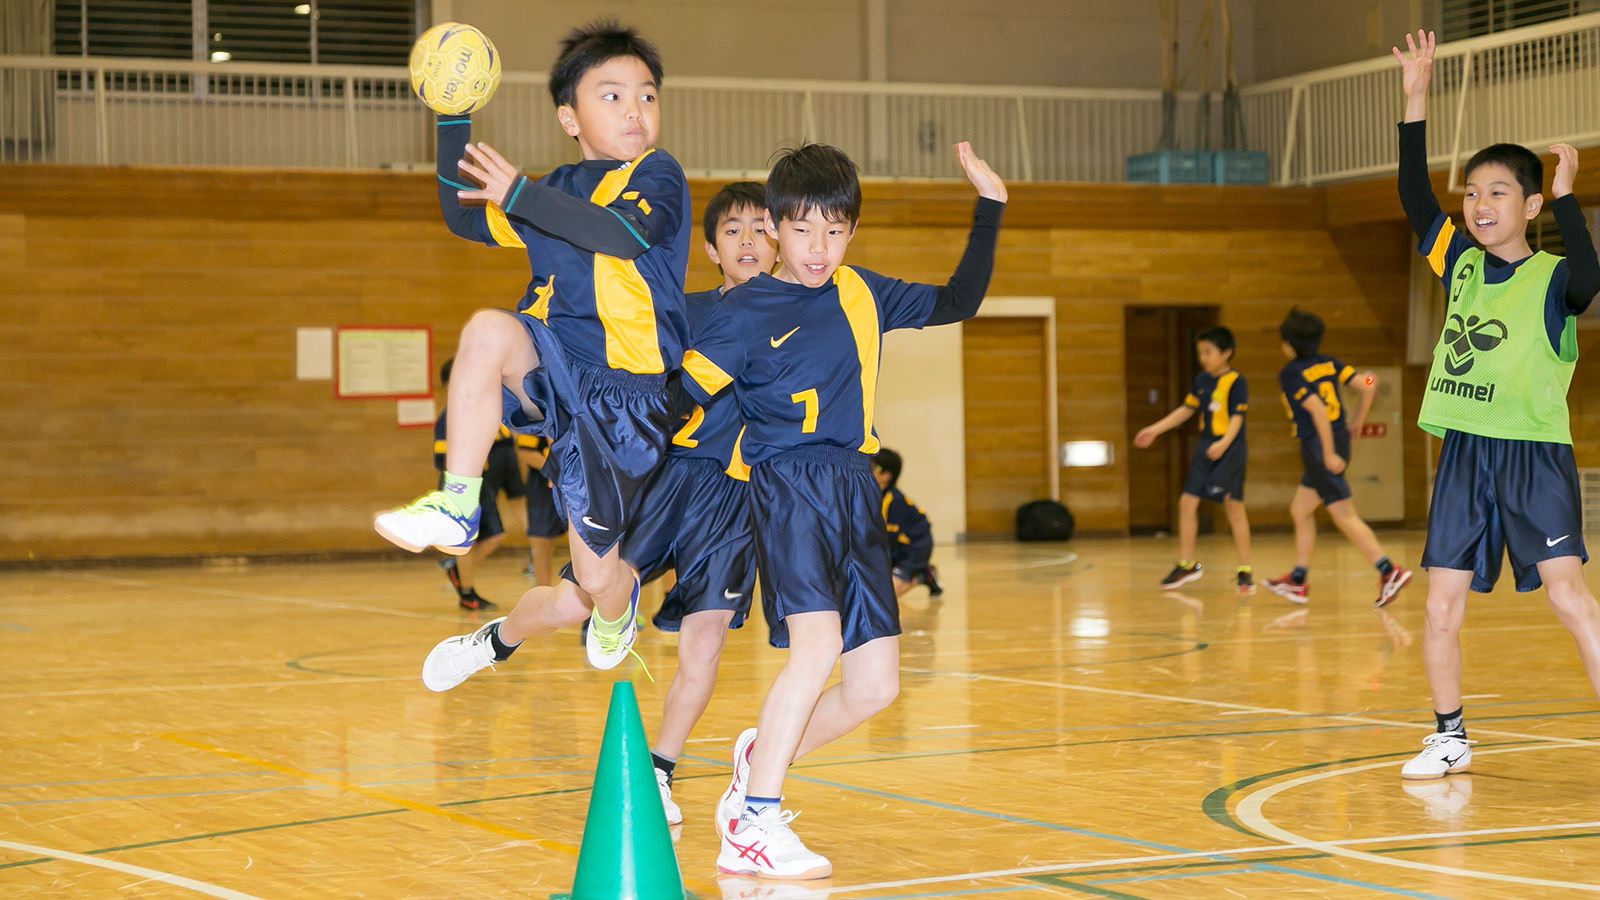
1065,730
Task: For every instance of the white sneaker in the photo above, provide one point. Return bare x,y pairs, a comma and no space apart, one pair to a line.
732,802
1442,754
766,846
454,660
429,521
674,814
605,652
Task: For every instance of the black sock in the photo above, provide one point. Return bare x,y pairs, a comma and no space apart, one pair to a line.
1451,722
1384,567
1298,576
664,764
502,650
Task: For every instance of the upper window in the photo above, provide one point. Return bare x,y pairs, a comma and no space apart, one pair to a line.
350,32
1474,18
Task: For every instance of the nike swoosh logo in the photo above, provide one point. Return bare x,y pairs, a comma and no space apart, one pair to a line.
778,342
730,595
593,524
1550,543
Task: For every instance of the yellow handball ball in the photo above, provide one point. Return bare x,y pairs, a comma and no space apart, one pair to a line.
454,68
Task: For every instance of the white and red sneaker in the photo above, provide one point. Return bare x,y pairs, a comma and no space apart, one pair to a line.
1286,588
765,845
1389,585
732,802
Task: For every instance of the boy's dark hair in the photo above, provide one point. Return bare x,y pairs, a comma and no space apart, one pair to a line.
593,45
890,462
814,177
1302,331
735,195
1219,337
1523,163
444,371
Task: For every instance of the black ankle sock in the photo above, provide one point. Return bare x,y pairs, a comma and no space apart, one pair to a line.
1298,576
1384,567
1451,722
502,650
664,764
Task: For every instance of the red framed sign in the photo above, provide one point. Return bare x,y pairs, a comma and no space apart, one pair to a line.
383,362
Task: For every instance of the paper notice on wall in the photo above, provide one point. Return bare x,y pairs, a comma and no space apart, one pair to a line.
384,362
313,354
414,413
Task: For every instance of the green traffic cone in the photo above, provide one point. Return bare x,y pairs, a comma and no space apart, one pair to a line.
627,851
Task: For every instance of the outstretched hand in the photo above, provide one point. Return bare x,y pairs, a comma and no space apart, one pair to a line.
978,172
1566,170
489,169
1416,64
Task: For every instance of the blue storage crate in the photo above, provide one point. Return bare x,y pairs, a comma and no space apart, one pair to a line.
1173,167
1242,167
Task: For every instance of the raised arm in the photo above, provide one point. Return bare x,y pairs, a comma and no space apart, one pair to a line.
1416,191
960,297
483,224
1583,267
624,228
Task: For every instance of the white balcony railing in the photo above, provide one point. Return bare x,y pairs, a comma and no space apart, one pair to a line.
1533,86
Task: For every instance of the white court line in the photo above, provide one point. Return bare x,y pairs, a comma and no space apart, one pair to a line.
147,874
948,727
1249,813
1058,868
269,598
1265,710
1061,560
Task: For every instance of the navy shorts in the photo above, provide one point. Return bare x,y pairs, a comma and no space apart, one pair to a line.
1217,479
608,432
1330,487
695,518
544,517
1493,496
821,543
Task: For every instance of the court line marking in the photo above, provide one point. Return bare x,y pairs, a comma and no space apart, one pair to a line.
244,595
381,796
1220,855
148,874
1249,813
1265,710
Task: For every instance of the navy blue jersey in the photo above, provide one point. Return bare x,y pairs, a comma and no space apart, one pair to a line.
910,534
803,361
710,431
1217,399
605,311
1319,375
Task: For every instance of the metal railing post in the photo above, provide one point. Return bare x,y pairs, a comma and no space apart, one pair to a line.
1025,152
1461,120
1287,170
101,135
349,122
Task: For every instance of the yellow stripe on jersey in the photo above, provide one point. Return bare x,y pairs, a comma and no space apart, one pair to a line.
627,311
622,297
1219,403
438,446
1191,402
1347,373
736,467
528,442
886,498
696,419
862,313
706,373
1441,244
503,434
500,227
